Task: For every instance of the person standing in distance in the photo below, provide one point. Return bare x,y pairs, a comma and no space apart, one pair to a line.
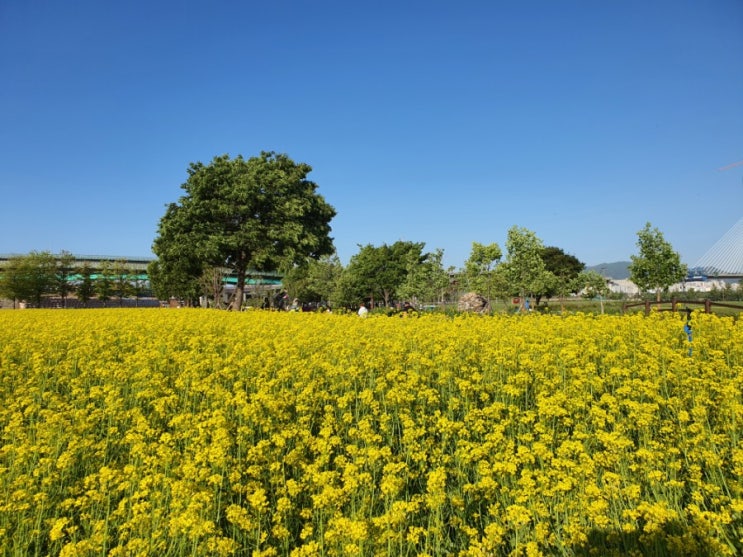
362,310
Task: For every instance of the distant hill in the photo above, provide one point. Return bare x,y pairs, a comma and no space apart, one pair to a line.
617,270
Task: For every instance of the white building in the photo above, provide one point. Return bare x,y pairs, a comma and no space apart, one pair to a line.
622,286
629,288
700,285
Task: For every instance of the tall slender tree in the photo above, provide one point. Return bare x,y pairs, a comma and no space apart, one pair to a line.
85,287
526,271
104,283
65,268
657,266
480,268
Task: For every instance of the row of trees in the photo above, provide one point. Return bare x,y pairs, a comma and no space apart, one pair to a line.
382,275
33,277
263,214
241,216
387,274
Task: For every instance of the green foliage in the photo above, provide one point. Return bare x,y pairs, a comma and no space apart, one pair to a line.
592,284
480,269
729,293
121,283
315,280
104,284
176,278
378,272
524,268
64,269
657,266
347,292
85,288
257,214
427,280
12,280
564,267
29,277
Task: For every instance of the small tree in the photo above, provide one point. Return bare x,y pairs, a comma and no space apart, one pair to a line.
479,268
347,291
85,288
65,268
29,277
176,278
212,284
13,280
427,280
139,286
121,280
657,266
526,271
592,284
104,283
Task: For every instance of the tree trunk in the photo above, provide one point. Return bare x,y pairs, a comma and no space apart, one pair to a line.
237,300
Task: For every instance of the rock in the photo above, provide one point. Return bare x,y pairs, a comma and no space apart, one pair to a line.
472,301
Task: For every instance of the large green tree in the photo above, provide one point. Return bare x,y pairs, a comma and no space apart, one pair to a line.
657,266
257,214
566,269
378,271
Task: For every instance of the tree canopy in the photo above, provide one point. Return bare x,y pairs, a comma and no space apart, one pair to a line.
480,268
379,271
564,267
524,268
29,277
426,280
315,281
256,214
657,266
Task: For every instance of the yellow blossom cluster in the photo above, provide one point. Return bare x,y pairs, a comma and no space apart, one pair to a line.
196,432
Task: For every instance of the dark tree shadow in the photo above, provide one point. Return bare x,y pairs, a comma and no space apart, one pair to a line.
672,540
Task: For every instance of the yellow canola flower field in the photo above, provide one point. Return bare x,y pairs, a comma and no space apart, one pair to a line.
196,432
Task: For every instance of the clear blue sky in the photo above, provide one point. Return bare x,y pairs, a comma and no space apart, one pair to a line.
431,121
